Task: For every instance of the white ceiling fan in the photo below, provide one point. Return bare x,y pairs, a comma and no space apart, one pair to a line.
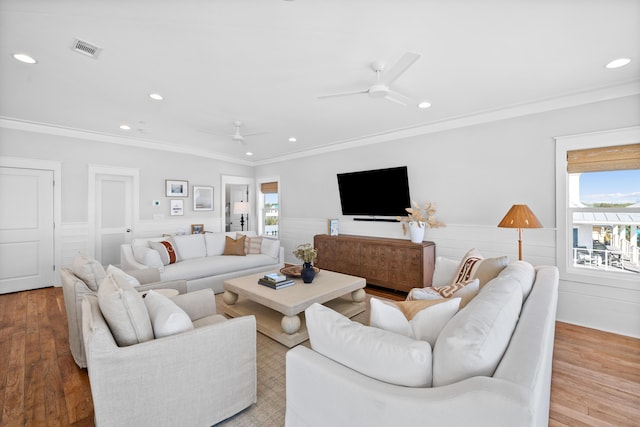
381,88
237,136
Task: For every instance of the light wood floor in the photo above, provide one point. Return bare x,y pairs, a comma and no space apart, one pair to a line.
596,375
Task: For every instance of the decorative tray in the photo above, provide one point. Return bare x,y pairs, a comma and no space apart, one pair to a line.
294,270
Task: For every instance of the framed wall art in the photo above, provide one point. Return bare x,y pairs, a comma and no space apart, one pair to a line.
197,228
176,188
177,207
202,198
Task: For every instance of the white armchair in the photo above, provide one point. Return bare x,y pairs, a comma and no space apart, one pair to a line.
85,280
194,378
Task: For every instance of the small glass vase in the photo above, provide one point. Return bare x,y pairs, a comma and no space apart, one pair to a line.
307,273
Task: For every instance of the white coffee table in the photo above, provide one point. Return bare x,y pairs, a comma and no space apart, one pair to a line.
280,313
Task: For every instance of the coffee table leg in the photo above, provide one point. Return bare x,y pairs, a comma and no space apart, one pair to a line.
358,295
290,324
229,297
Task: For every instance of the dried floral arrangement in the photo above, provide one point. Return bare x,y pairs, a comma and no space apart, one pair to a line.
419,215
306,252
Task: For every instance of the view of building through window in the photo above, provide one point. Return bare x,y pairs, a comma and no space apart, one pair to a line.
606,220
271,214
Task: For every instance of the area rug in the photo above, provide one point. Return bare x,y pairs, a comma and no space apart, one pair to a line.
270,408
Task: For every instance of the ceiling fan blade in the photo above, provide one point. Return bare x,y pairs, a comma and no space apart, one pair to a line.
255,133
399,68
335,95
399,98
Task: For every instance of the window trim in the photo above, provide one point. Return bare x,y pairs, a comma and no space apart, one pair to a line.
564,220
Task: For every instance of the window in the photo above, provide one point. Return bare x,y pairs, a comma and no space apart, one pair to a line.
270,207
598,207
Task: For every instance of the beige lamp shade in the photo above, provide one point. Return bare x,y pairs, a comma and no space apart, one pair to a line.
241,208
520,216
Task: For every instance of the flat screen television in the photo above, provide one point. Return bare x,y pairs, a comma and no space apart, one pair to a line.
379,192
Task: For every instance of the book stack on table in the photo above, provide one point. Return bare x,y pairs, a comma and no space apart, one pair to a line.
275,281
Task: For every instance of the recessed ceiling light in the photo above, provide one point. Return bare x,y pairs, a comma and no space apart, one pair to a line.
249,153
156,96
24,58
424,104
125,127
292,139
617,63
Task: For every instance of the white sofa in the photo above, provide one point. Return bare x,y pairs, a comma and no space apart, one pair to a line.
201,260
321,391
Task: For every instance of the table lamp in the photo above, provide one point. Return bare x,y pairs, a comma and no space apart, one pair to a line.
520,216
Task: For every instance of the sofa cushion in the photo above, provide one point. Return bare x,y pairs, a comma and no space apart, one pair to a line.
215,243
124,311
89,270
111,269
214,265
166,317
270,247
474,340
465,293
167,250
234,246
421,320
523,273
380,354
190,246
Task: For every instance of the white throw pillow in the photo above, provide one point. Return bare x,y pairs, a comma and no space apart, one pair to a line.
190,246
474,340
444,271
523,273
421,320
270,247
166,317
124,311
215,243
149,257
111,269
374,352
89,270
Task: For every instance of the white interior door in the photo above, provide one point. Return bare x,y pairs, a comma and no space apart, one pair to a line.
114,216
26,229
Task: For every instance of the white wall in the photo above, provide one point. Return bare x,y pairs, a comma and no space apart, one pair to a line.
155,166
474,174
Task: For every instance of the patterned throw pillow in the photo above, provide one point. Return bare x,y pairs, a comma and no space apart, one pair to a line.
468,266
466,291
234,246
167,251
252,245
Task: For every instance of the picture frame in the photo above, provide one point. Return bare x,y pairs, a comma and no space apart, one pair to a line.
333,227
197,228
202,198
176,188
177,207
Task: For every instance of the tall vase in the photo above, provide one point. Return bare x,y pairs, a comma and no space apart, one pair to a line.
307,273
416,231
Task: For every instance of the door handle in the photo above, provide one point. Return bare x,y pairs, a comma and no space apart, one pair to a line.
128,230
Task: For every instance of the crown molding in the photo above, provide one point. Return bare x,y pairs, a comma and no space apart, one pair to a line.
629,88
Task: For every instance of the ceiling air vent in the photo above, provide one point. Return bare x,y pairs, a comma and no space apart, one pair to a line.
86,48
